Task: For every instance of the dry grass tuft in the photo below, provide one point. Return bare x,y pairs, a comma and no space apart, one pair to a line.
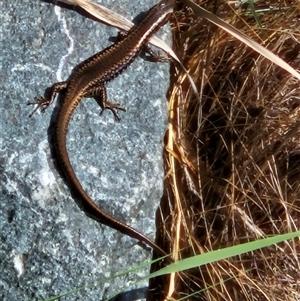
232,162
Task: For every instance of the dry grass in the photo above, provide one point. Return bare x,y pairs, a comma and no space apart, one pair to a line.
232,161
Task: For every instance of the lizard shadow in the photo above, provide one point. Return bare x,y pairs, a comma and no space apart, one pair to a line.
54,155
131,295
51,137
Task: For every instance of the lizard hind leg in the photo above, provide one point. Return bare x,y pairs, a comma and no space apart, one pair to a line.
43,103
99,94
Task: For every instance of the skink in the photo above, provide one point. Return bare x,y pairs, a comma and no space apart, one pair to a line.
88,80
